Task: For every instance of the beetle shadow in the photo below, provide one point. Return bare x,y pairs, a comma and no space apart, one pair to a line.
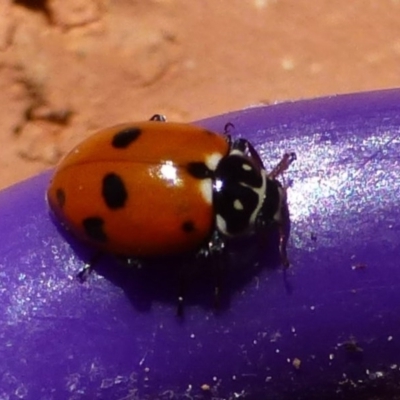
163,280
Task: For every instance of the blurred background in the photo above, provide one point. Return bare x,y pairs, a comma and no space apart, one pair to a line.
70,67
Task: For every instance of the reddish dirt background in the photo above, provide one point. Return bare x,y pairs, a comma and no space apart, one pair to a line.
70,67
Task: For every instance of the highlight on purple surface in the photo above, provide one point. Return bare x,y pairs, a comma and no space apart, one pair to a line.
327,328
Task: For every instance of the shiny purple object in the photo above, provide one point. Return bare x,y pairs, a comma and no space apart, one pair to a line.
327,328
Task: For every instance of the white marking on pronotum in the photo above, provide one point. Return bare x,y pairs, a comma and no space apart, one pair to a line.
246,167
206,190
261,197
237,205
221,223
212,160
206,185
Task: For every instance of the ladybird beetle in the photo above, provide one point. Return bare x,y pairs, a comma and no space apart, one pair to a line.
156,188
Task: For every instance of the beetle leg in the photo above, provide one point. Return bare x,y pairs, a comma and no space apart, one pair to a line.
215,250
218,265
181,294
88,268
159,118
283,239
280,222
84,273
218,273
283,165
132,262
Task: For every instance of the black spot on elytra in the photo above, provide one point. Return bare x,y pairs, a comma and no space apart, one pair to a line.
188,226
114,191
60,196
123,139
94,229
199,170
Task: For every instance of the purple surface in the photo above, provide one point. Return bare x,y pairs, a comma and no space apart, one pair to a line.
338,313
